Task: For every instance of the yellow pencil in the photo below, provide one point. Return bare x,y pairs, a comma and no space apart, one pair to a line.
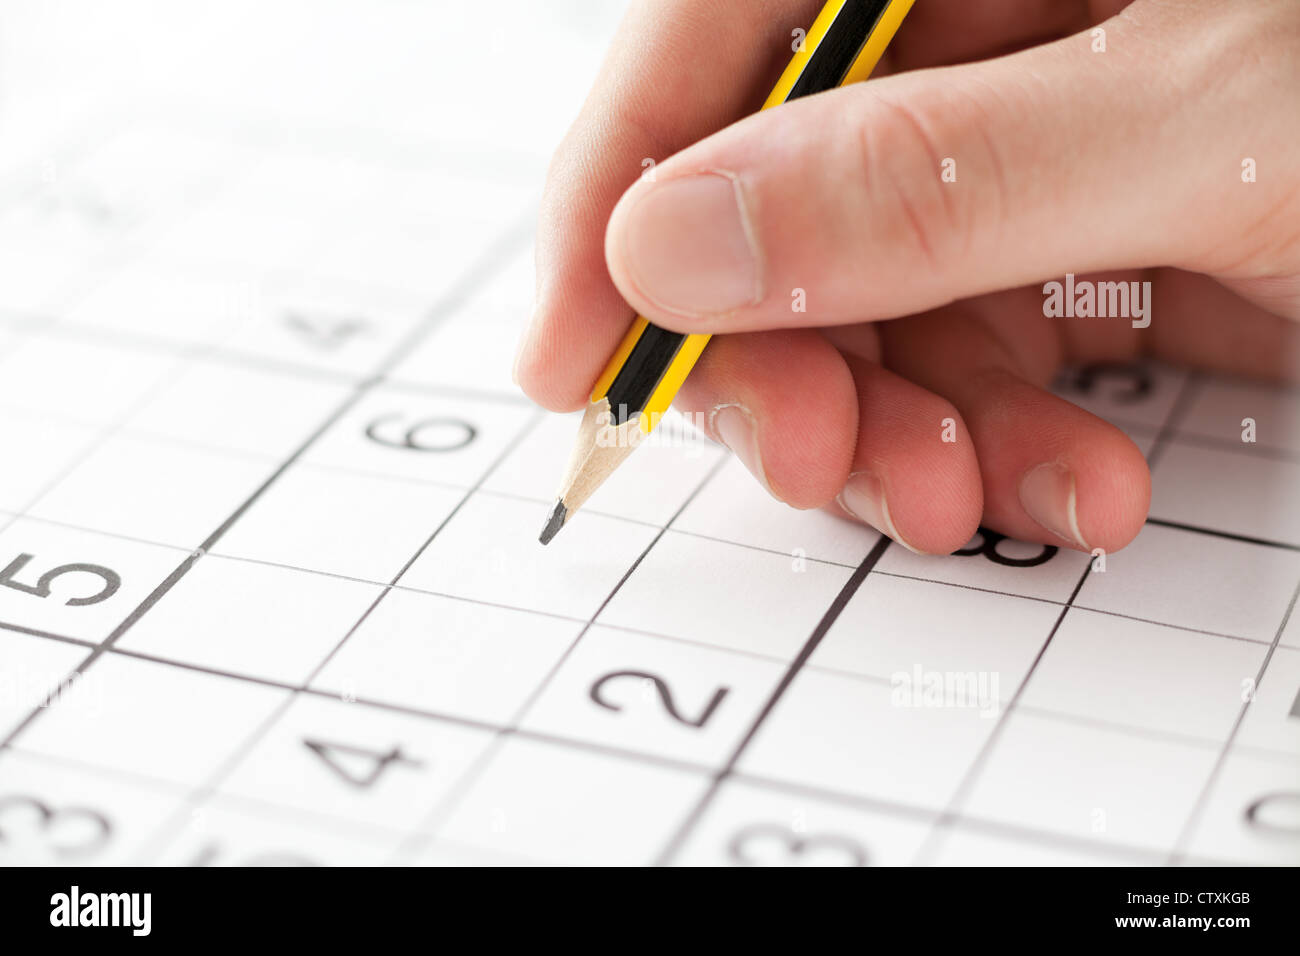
843,46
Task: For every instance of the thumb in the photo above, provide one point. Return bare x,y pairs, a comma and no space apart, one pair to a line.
901,194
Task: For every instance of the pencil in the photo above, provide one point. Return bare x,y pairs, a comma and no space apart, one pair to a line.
638,384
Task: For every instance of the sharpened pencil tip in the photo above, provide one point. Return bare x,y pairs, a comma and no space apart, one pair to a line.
559,515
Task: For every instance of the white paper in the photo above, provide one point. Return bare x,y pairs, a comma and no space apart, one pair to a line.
269,505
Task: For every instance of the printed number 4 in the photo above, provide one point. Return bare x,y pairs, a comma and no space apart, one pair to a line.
334,753
43,586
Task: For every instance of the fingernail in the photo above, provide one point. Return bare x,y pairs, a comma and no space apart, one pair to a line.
864,498
734,427
690,247
1049,496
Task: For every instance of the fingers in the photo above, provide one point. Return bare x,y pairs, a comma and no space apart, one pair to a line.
1194,320
949,31
835,208
784,403
1050,471
841,430
1202,323
914,477
660,89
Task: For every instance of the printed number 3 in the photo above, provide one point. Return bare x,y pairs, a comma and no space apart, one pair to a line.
42,587
794,846
71,822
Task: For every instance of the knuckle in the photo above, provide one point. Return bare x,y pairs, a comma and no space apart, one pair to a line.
908,137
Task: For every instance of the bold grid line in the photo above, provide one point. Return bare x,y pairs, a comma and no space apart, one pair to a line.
1177,412
212,784
819,632
562,740
967,782
1226,535
398,586
1167,433
302,687
1025,832
268,809
485,265
613,751
947,819
189,202
439,815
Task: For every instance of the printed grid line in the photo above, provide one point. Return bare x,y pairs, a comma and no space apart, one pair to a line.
1038,834
488,262
1026,832
632,753
635,754
439,814
1179,853
805,653
963,789
399,586
134,243
1167,433
210,786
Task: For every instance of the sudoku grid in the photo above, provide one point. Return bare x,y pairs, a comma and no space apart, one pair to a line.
270,590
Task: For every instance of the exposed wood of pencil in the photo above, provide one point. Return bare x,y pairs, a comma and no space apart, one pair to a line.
599,450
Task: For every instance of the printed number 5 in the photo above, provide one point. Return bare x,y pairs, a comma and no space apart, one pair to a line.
42,587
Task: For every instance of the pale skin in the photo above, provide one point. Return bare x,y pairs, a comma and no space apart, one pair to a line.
924,298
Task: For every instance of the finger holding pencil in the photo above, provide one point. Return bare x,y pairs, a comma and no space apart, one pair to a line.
650,364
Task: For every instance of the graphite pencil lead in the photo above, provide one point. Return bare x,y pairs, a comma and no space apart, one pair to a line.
559,515
600,447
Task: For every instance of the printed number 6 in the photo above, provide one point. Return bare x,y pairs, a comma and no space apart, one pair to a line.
42,587
462,433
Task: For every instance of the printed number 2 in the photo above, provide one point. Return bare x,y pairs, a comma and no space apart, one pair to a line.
43,586
665,695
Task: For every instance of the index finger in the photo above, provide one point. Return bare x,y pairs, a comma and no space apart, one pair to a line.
660,89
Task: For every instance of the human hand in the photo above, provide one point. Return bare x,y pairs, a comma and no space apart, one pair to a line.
1127,164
